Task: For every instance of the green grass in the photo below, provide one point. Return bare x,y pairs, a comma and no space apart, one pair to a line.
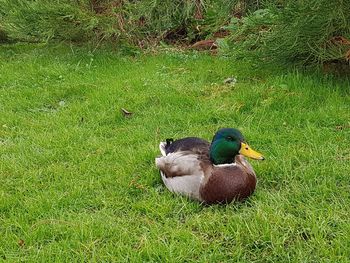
78,180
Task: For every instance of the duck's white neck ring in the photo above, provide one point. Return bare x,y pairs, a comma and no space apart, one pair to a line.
224,165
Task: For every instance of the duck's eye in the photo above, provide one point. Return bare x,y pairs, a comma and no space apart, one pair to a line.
229,138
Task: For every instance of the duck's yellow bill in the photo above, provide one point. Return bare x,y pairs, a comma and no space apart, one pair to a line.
249,152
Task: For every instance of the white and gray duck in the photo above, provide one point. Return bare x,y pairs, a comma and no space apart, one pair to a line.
209,173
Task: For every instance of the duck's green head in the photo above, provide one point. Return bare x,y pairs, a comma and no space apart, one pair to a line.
227,143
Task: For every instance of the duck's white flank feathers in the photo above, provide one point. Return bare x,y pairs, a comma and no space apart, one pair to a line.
187,185
179,164
184,173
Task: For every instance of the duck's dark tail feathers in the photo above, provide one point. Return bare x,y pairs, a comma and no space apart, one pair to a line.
168,142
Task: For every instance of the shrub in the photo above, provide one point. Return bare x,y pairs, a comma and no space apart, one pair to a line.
136,22
296,32
44,20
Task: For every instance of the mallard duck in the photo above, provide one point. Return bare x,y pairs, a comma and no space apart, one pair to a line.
215,172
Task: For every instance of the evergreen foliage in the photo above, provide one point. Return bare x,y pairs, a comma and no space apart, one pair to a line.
43,20
303,32
136,22
282,31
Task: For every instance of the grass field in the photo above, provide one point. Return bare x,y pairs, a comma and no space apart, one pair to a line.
78,180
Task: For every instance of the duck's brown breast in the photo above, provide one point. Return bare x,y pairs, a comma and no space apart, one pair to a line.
227,183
